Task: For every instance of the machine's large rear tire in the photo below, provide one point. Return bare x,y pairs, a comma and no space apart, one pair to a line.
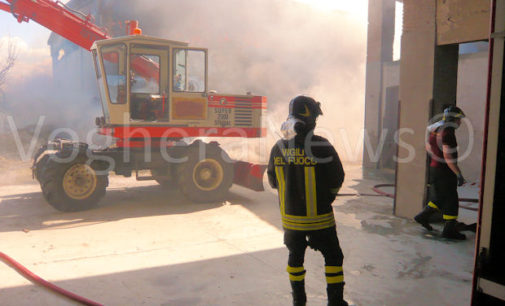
207,179
71,186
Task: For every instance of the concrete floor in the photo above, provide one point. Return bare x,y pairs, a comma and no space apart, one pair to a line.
148,246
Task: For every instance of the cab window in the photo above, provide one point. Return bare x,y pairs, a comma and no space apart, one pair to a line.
113,64
101,86
145,74
189,70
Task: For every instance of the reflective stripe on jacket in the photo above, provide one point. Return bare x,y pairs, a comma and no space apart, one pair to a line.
308,175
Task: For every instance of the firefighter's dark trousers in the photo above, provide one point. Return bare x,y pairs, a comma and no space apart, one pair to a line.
443,192
326,242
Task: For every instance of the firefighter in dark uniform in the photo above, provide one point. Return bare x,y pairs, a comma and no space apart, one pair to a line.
307,172
445,175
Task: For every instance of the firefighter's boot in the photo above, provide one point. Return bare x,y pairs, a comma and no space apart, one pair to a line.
451,232
424,216
298,293
336,294
461,227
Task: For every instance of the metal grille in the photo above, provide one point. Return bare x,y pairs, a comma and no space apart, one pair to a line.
243,113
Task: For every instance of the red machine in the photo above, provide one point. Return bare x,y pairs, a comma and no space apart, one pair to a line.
154,96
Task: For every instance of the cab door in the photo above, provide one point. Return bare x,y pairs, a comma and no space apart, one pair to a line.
188,86
111,74
148,80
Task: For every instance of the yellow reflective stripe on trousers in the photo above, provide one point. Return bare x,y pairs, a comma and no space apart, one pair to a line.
310,191
333,269
432,205
334,279
281,183
447,217
290,269
296,278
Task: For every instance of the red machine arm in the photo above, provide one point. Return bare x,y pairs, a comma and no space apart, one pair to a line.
5,7
57,18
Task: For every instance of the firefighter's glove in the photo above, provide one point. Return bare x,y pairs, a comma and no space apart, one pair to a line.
461,180
335,191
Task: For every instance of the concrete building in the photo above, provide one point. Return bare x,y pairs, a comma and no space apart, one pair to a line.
441,62
67,56
430,44
73,67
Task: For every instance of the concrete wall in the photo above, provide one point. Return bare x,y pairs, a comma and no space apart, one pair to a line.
416,92
471,97
431,76
379,50
472,86
389,118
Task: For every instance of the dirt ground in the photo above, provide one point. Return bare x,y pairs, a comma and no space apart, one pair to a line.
148,246
14,172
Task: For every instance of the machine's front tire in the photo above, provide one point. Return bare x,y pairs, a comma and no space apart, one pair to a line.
205,179
71,186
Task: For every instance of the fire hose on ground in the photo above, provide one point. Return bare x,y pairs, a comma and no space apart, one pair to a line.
40,281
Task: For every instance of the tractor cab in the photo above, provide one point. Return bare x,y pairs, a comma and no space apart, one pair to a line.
145,80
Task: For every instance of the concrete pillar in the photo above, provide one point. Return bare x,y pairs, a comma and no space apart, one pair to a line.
417,76
445,80
381,16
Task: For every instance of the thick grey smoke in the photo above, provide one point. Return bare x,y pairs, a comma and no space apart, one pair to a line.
274,48
278,48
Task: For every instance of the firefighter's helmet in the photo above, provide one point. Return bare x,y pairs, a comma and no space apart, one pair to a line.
303,108
452,113
303,112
